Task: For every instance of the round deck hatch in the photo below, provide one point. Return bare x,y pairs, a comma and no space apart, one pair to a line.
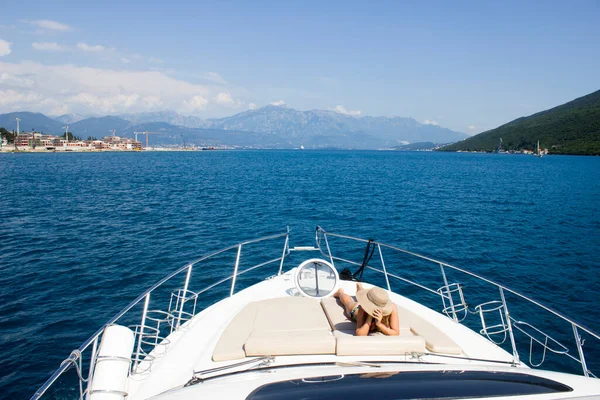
316,278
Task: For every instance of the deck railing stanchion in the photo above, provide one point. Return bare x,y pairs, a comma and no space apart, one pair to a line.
510,330
449,293
139,344
387,279
328,249
185,288
235,270
91,369
285,246
580,350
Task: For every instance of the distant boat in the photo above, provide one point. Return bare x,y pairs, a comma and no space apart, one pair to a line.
538,153
301,147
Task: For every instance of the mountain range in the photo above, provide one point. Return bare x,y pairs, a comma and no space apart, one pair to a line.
571,128
270,126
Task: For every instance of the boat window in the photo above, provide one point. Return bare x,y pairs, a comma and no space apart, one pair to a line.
409,385
316,278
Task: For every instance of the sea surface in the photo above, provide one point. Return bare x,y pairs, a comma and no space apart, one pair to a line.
82,235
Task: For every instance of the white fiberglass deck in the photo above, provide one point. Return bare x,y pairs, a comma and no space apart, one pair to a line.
191,348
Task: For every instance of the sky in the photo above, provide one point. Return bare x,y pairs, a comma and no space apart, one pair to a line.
466,65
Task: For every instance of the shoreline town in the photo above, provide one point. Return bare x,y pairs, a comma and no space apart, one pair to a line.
36,142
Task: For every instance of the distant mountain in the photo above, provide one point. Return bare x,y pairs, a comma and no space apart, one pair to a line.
572,128
329,128
99,127
68,118
170,117
270,126
30,121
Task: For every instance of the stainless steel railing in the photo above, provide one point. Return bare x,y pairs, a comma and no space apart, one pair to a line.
453,310
77,356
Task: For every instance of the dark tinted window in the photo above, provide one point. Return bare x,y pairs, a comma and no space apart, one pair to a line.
409,385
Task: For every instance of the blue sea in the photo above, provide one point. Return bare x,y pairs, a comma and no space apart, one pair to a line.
81,235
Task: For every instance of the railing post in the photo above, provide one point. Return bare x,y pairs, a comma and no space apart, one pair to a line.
185,288
449,293
328,249
285,246
235,270
580,350
510,331
139,345
91,369
384,270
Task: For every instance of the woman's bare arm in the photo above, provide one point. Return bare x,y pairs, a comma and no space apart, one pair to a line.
363,322
394,328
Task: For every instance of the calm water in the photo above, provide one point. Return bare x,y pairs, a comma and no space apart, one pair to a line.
81,235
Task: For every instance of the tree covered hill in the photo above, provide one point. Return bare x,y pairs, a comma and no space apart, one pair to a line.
572,128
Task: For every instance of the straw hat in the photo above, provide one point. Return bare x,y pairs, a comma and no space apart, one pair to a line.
374,298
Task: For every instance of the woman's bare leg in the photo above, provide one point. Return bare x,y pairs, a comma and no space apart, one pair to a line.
347,301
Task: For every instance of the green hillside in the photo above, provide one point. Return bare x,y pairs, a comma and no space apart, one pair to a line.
572,128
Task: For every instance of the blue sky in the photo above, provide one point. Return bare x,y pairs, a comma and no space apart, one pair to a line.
468,66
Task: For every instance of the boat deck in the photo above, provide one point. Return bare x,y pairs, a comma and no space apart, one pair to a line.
192,348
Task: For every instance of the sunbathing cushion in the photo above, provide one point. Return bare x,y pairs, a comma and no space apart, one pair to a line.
403,332
436,340
288,314
379,345
231,343
336,314
290,343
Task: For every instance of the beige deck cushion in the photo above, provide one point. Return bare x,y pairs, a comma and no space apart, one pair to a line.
231,343
281,326
436,340
287,314
379,345
290,343
290,325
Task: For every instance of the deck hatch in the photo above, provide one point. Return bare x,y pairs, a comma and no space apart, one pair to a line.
410,385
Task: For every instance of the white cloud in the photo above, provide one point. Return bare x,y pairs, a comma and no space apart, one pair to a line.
278,103
125,60
105,103
90,49
4,48
430,122
342,110
252,106
7,26
155,60
48,46
60,110
49,25
13,97
14,81
92,90
196,103
471,127
225,99
152,102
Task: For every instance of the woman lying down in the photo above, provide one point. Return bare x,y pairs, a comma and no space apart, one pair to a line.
373,313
